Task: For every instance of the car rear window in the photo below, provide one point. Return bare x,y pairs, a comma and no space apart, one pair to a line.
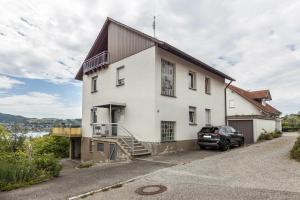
209,129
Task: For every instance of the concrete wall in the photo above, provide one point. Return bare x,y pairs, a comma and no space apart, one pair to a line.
259,125
138,94
241,105
177,108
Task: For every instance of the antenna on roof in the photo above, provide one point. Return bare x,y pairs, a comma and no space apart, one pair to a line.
153,25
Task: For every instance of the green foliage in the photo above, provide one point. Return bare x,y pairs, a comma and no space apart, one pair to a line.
25,162
269,136
59,146
86,164
295,152
49,163
291,122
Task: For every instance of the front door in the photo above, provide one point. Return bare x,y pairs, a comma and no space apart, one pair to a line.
115,115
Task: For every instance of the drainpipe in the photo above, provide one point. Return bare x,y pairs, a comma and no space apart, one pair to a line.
226,123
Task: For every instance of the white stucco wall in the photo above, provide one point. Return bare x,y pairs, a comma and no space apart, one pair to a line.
259,125
176,109
241,105
137,93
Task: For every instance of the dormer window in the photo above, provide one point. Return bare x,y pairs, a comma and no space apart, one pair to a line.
263,102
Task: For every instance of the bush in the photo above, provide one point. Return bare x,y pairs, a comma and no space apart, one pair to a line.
265,136
59,146
276,134
295,152
48,163
86,164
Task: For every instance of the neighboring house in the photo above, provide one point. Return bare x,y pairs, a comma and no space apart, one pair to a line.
142,95
249,112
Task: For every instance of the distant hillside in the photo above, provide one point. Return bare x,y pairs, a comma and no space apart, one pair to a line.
7,118
11,119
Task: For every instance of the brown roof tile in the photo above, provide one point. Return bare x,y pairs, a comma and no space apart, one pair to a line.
253,96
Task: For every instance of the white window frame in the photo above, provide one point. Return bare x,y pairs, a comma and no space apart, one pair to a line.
94,117
168,78
94,81
192,80
167,131
120,80
207,117
192,115
207,84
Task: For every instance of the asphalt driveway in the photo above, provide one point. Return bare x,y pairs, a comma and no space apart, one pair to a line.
77,181
260,171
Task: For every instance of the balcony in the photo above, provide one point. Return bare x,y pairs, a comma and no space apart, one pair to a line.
98,61
66,131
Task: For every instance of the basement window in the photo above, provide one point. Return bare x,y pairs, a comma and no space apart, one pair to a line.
167,129
100,147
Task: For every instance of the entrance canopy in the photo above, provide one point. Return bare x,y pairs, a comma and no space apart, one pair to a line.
111,105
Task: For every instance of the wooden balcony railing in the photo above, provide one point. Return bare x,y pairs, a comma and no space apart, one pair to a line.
66,131
98,60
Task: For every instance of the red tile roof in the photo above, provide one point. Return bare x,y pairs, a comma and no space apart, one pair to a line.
254,96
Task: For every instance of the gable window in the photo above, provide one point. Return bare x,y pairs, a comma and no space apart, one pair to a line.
207,86
167,129
207,117
100,147
192,115
93,115
231,103
167,78
94,84
120,76
192,80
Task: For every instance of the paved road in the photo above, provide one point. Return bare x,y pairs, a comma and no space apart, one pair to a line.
261,171
77,181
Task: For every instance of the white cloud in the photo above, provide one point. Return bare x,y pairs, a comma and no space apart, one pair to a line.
257,42
40,105
8,83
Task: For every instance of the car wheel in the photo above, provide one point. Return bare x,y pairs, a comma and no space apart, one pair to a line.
225,146
241,143
202,147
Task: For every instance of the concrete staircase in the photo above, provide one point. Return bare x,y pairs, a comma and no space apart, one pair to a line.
138,149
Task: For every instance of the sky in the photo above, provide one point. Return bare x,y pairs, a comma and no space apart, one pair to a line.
43,44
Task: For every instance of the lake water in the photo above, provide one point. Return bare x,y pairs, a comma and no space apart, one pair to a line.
36,134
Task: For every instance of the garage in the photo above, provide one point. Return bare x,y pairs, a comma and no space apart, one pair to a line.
245,127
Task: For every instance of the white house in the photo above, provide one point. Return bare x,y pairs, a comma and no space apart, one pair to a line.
249,112
142,95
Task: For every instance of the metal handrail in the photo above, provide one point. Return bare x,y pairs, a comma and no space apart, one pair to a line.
96,61
119,126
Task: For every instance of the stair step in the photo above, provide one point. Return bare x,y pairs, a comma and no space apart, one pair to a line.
141,154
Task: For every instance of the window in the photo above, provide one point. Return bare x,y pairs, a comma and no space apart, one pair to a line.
167,129
100,147
120,76
91,145
167,78
231,103
207,117
192,80
207,85
94,115
192,115
94,84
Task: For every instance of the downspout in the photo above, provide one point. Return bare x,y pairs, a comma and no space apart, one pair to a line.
225,95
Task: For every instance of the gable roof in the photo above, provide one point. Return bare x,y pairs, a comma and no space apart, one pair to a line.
157,42
253,96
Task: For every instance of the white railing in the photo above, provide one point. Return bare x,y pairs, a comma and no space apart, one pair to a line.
114,130
98,60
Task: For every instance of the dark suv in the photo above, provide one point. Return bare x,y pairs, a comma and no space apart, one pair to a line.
222,137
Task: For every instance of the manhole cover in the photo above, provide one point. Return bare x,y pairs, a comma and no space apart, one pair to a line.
151,189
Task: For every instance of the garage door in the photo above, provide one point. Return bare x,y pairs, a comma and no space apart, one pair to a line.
245,127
